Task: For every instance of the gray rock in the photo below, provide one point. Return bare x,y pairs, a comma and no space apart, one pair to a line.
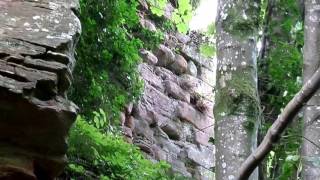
160,120
155,102
130,122
208,76
144,4
122,118
166,74
37,41
168,11
178,166
202,173
145,147
188,82
127,132
129,108
182,38
142,129
168,146
172,130
192,69
201,137
165,56
148,57
191,52
159,153
180,65
142,111
176,91
146,23
195,85
147,73
203,156
190,114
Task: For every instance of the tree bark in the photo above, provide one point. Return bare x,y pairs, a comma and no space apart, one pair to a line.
236,110
310,153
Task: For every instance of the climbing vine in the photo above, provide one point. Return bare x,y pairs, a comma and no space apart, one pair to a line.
181,15
106,73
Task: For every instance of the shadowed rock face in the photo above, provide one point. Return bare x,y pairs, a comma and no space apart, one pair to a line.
37,41
173,120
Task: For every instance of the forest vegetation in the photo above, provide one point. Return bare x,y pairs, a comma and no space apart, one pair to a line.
244,91
271,35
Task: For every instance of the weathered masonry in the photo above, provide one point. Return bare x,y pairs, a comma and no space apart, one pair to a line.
173,121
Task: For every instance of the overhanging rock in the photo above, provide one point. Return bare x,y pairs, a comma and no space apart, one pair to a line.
37,41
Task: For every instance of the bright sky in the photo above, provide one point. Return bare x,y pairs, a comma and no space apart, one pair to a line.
204,15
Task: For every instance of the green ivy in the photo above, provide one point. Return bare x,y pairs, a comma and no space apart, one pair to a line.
181,15
106,74
207,50
157,7
96,155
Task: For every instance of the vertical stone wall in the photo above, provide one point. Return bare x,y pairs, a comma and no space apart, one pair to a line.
173,120
37,41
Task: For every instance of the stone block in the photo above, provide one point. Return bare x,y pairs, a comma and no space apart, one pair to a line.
192,69
180,65
148,57
176,91
147,73
165,56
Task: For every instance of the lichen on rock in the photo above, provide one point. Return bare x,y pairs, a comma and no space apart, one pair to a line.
37,41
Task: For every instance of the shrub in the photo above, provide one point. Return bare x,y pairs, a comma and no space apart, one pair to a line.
95,155
106,74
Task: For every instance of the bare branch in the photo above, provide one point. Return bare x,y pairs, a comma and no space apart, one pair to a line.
274,132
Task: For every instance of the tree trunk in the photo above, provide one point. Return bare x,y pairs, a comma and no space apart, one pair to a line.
37,41
237,104
278,38
310,153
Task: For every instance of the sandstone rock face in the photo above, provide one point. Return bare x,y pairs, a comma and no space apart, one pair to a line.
148,57
165,56
180,65
192,69
173,120
148,24
37,41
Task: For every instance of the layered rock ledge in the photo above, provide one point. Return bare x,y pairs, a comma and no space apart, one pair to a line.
37,41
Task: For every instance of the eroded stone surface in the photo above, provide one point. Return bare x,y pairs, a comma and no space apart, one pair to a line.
173,120
37,40
168,124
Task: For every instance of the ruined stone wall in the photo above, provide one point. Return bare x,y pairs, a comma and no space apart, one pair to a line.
173,120
37,41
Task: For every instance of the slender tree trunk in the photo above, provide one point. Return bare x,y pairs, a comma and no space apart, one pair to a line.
310,153
308,90
274,37
236,110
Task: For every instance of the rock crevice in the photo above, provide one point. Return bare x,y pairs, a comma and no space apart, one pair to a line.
37,41
173,120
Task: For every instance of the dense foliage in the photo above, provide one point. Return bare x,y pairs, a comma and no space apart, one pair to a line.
181,15
106,78
96,155
107,54
280,78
